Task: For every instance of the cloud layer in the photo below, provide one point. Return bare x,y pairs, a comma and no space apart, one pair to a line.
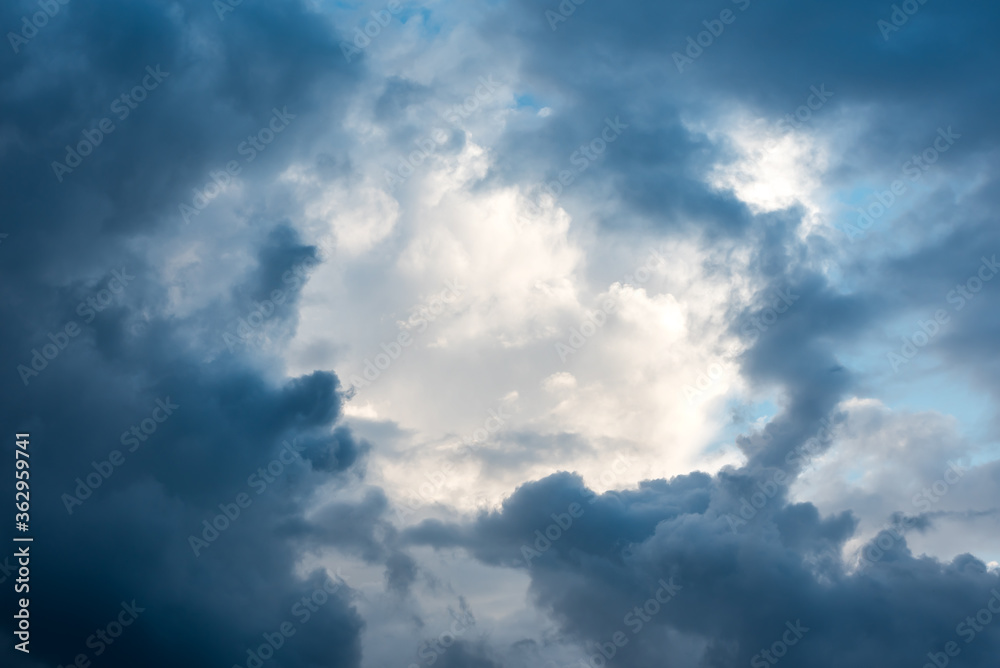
504,334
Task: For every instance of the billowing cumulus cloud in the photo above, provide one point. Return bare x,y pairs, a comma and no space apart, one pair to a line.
716,571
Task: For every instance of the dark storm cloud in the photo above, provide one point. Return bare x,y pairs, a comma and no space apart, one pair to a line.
794,352
736,589
217,92
752,59
226,434
282,252
208,427
132,533
617,58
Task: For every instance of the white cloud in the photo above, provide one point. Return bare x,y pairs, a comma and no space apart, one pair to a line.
885,461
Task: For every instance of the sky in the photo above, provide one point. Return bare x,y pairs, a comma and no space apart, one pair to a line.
505,334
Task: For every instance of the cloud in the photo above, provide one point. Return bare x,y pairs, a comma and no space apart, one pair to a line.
738,588
216,223
218,464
